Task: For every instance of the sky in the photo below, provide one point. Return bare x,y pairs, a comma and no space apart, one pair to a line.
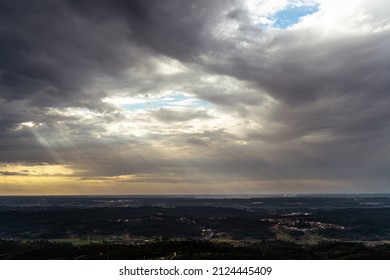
194,97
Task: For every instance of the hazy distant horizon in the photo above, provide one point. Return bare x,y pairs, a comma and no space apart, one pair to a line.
209,195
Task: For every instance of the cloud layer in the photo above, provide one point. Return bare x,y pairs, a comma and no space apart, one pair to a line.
193,97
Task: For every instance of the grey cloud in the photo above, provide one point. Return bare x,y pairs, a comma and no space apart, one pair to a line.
48,54
57,53
329,120
337,90
178,29
169,116
8,173
50,57
311,71
196,141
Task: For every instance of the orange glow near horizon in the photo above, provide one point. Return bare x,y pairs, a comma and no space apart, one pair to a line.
45,179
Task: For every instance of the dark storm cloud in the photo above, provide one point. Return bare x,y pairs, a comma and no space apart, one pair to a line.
316,106
48,54
330,119
64,54
347,66
178,29
341,85
49,57
53,52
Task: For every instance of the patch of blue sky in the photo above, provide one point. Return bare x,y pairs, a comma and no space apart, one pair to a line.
141,106
202,103
292,15
173,100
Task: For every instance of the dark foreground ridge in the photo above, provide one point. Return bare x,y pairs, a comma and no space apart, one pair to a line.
303,227
276,250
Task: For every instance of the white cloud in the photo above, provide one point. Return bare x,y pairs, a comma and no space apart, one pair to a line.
349,17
